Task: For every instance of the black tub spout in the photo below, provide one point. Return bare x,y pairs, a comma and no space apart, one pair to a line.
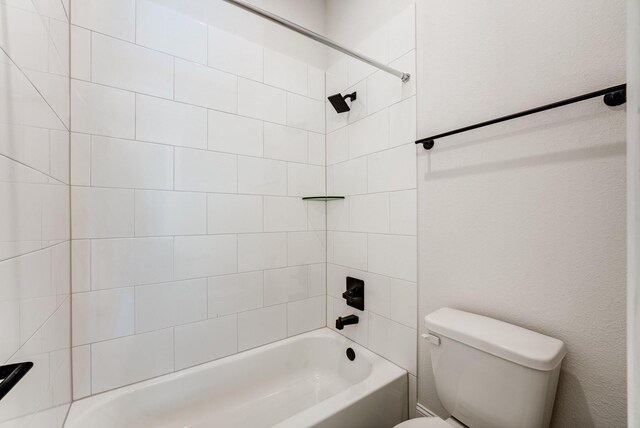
349,319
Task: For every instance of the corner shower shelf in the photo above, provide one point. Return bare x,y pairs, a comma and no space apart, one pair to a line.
322,198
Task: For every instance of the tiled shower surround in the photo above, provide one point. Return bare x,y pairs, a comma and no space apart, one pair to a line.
34,210
371,159
191,150
172,213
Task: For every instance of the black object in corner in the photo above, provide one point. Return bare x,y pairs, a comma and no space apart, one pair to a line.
10,375
355,293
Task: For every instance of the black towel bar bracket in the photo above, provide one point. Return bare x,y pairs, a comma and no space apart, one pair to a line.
11,374
613,96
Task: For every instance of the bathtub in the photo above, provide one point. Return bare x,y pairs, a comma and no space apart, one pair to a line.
303,381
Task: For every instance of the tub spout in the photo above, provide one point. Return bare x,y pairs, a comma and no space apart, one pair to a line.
349,319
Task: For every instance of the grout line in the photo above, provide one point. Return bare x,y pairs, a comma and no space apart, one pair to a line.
46,24
135,116
206,277
135,21
135,320
237,110
47,247
237,256
209,130
206,289
90,53
44,323
46,175
90,368
231,73
176,57
66,12
326,210
173,258
237,334
278,232
207,210
70,226
91,160
130,140
91,264
172,327
44,99
238,78
135,234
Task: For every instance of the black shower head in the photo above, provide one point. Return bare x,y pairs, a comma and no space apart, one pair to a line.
338,101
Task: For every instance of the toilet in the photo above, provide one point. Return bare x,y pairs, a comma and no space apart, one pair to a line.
489,373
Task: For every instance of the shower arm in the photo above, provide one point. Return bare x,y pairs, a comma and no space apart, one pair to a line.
318,38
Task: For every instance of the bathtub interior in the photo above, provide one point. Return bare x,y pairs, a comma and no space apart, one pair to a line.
258,388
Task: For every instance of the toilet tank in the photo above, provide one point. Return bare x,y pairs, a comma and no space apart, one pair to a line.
491,374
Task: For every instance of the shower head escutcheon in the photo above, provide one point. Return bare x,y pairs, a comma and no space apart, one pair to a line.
338,101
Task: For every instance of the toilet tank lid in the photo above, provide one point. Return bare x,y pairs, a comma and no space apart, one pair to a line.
516,344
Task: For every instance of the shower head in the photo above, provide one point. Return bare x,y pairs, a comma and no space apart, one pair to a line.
338,101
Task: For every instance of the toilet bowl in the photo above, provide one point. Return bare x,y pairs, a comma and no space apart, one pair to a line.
430,423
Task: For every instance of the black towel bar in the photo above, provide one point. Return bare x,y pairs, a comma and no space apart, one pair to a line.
613,96
11,374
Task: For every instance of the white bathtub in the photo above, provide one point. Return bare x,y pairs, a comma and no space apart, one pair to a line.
303,381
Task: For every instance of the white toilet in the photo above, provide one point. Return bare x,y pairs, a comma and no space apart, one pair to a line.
490,374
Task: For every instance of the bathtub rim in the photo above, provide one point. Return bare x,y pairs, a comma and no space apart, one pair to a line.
383,373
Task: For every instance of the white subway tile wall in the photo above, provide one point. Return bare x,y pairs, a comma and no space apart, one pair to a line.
191,150
35,250
189,153
371,159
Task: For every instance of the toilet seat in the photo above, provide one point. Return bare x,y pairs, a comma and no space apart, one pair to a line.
428,423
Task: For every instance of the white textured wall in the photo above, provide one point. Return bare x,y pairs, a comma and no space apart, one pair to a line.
633,162
34,210
190,155
351,22
525,221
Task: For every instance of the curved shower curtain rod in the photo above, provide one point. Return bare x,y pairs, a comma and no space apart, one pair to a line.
318,38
